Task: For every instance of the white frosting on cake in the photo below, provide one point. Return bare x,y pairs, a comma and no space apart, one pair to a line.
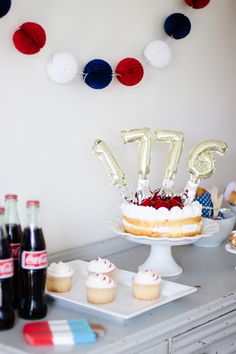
101,265
151,214
147,276
188,228
59,270
100,281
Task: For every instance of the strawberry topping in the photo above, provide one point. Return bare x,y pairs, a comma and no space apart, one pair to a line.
156,201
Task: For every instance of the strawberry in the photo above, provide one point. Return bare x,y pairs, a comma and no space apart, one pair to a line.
146,202
161,204
176,201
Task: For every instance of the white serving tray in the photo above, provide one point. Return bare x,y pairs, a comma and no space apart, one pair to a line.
125,306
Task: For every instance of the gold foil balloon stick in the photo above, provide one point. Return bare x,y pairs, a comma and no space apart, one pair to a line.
116,175
201,165
143,138
176,141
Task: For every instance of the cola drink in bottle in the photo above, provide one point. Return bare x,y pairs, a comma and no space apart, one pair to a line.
33,266
14,234
7,316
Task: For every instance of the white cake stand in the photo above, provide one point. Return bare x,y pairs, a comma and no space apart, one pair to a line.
230,249
160,258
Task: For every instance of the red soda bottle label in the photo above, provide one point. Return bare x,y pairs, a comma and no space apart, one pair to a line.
15,250
6,268
34,259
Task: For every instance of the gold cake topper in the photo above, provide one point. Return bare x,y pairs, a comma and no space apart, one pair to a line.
201,163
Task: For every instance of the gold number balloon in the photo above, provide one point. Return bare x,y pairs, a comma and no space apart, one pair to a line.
116,175
201,164
176,141
143,138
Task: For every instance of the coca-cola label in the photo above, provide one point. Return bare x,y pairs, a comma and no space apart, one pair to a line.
15,250
34,259
6,268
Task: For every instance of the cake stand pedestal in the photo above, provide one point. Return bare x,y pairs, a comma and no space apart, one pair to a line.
230,249
160,258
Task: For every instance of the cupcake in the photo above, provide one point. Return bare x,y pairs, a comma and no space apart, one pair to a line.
146,285
102,265
232,239
59,277
200,191
100,289
232,198
230,193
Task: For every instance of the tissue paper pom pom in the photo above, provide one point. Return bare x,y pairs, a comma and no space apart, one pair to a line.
63,68
177,25
158,53
97,74
129,71
5,6
197,4
29,38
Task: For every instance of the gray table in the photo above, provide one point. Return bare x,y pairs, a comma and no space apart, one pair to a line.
203,322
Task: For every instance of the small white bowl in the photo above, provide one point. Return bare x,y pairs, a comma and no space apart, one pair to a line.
226,226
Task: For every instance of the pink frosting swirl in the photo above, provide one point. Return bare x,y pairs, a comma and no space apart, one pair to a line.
100,280
101,265
147,276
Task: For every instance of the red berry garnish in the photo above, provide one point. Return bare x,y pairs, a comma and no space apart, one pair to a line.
161,204
146,202
176,201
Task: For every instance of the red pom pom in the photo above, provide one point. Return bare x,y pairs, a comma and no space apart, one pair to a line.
129,71
197,4
29,38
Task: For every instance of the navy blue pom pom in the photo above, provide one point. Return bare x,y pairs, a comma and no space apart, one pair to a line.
5,6
97,74
177,26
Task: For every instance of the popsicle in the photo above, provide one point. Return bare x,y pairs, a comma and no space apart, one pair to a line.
62,332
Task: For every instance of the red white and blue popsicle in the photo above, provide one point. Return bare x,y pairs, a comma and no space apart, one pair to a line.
63,332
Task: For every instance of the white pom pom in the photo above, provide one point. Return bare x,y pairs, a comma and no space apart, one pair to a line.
63,68
158,53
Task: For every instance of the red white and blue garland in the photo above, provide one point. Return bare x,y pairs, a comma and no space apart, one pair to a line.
30,38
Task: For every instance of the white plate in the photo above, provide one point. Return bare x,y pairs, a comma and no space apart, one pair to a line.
230,249
209,227
124,306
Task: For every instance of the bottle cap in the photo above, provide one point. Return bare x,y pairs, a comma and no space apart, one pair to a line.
11,196
33,203
2,210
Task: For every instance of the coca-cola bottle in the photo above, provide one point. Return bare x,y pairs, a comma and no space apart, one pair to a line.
33,266
14,234
7,316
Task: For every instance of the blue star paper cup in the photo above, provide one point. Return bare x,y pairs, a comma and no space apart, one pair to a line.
207,206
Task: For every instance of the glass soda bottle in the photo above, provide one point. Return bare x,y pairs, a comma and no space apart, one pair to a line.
33,266
14,234
7,316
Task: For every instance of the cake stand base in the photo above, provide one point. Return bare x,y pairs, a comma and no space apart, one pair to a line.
161,261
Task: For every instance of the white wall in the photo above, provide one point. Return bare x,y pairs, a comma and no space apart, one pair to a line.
47,130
